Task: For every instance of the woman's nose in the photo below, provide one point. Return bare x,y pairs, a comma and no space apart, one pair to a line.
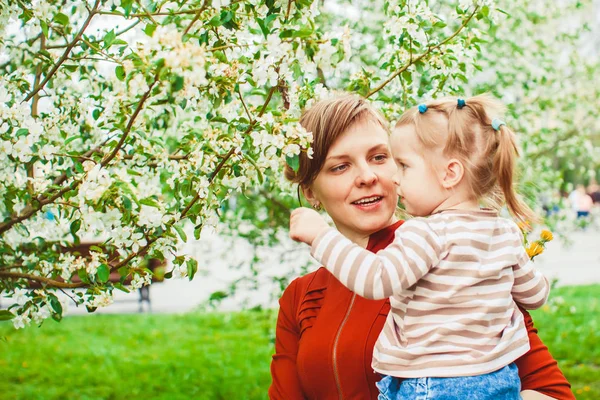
366,177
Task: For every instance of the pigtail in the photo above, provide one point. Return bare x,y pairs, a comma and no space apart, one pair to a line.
504,163
457,138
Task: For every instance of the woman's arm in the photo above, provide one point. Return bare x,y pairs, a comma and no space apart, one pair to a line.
539,371
285,384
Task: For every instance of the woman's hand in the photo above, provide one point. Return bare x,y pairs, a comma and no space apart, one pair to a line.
533,395
306,224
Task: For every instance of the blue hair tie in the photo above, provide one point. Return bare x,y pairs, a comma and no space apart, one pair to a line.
422,108
461,103
497,123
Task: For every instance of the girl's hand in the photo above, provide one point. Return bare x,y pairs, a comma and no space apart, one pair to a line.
306,224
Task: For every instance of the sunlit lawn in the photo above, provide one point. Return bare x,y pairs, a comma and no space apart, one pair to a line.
221,356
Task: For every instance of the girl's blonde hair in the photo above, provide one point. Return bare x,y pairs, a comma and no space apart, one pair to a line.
489,156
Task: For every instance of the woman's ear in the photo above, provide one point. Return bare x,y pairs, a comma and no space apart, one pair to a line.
309,194
453,173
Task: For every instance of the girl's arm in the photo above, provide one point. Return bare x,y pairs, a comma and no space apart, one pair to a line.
285,382
531,288
415,249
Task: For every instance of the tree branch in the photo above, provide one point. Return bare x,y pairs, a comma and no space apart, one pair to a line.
66,53
429,50
244,104
127,130
41,279
156,14
289,9
196,17
117,34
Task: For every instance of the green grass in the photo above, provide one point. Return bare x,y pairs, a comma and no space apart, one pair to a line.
570,326
222,356
211,356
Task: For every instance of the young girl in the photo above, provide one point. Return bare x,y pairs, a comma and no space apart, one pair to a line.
453,273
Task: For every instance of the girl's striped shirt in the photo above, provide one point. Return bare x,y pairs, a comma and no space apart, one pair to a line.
453,279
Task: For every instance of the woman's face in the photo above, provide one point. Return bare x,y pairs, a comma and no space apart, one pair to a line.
355,185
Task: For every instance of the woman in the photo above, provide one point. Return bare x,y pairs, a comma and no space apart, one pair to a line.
325,333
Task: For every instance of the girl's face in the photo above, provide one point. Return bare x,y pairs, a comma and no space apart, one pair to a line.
419,185
355,185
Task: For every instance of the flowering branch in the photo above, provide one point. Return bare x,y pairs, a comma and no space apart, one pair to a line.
66,53
42,200
429,50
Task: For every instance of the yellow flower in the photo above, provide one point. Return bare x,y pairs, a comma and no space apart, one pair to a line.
535,249
547,235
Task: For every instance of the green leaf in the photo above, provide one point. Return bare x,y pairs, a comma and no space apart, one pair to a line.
177,84
22,132
82,274
219,119
96,249
96,114
217,296
293,162
192,268
485,11
120,72
103,273
6,315
109,38
44,27
263,27
61,19
127,6
69,140
181,233
75,226
123,271
179,260
122,287
127,203
149,29
55,304
149,201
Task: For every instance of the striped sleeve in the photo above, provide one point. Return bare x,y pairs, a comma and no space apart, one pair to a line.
531,288
414,251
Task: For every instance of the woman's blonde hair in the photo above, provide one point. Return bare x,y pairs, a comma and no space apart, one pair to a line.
489,156
327,120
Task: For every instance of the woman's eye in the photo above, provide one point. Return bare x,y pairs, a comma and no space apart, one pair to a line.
339,168
380,157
